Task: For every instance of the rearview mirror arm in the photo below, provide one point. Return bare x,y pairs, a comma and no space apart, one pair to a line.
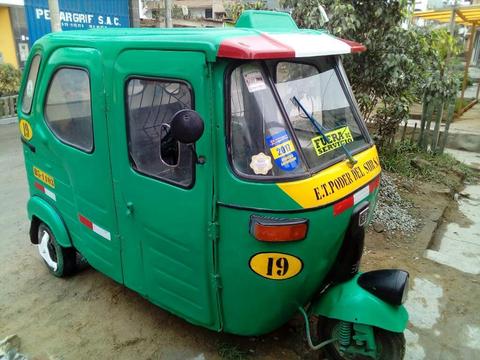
197,159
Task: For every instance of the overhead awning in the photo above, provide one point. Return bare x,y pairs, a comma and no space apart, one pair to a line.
465,15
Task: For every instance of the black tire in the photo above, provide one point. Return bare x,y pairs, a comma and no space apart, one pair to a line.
390,345
59,260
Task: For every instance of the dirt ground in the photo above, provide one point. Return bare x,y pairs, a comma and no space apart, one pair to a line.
89,316
443,302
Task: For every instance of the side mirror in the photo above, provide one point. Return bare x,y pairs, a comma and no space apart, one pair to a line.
186,126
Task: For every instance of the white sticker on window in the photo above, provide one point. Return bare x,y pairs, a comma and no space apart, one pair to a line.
29,89
261,163
254,80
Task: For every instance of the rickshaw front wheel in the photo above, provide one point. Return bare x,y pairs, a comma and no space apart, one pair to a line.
389,345
59,260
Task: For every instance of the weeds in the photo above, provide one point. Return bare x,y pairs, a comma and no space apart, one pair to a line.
230,352
409,160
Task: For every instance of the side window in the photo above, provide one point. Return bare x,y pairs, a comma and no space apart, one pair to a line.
151,104
30,86
68,108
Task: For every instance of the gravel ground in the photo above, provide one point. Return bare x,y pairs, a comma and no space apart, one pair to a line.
392,212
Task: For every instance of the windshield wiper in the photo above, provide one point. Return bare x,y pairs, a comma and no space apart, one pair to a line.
321,130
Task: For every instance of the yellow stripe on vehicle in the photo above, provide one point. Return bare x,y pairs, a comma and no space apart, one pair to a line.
335,182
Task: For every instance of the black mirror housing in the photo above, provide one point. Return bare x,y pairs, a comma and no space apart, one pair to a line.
186,126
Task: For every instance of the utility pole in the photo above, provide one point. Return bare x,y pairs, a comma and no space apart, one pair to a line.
54,15
452,18
168,13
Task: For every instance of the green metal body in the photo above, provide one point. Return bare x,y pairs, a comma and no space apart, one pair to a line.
41,209
350,302
186,250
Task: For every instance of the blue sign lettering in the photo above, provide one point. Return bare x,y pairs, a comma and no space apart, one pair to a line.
76,15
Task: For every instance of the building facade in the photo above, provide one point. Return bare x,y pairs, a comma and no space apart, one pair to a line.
14,37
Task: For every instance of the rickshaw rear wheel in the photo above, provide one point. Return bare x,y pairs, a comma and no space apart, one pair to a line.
390,345
59,260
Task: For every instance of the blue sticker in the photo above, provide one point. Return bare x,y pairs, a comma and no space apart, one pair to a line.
283,151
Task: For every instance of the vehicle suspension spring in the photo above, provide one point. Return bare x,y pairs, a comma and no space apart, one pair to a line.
344,334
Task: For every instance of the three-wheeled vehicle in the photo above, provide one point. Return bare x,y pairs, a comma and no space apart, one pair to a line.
224,174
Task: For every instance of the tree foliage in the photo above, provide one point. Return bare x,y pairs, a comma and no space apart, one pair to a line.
9,80
400,65
442,78
235,8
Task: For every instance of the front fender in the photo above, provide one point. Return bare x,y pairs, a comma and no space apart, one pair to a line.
348,301
43,211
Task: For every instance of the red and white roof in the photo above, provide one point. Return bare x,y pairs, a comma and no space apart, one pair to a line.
289,45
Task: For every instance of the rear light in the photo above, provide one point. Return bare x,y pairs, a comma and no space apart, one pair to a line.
278,230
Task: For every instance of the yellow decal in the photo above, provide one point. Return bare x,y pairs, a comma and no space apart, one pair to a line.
40,175
25,129
275,266
337,137
335,182
282,149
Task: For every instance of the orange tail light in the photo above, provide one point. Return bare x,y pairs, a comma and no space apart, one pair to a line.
278,230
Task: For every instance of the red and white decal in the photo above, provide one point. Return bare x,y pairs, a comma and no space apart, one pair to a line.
92,226
275,46
254,47
356,197
45,190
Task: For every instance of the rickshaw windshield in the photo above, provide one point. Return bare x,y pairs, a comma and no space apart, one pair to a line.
291,118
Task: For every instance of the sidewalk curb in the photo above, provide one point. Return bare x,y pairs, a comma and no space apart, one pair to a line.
9,120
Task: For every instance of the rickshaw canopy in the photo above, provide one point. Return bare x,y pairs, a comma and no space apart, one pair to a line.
270,35
257,35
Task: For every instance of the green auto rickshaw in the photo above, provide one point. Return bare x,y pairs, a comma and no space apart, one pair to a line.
224,174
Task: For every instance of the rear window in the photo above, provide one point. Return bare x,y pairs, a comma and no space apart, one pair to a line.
289,119
317,88
261,141
29,90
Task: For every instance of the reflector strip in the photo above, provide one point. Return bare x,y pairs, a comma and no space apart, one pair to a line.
45,190
360,195
374,184
342,205
355,198
92,226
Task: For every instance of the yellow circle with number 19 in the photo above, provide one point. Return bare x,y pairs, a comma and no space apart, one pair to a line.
276,266
25,129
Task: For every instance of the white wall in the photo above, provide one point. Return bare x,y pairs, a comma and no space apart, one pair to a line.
12,2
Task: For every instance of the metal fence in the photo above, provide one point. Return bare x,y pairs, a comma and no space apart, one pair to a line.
8,106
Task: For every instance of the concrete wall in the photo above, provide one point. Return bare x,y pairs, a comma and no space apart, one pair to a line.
134,7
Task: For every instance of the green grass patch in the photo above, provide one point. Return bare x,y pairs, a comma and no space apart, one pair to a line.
460,104
412,162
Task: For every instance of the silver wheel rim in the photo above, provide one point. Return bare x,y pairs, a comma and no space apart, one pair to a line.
44,252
